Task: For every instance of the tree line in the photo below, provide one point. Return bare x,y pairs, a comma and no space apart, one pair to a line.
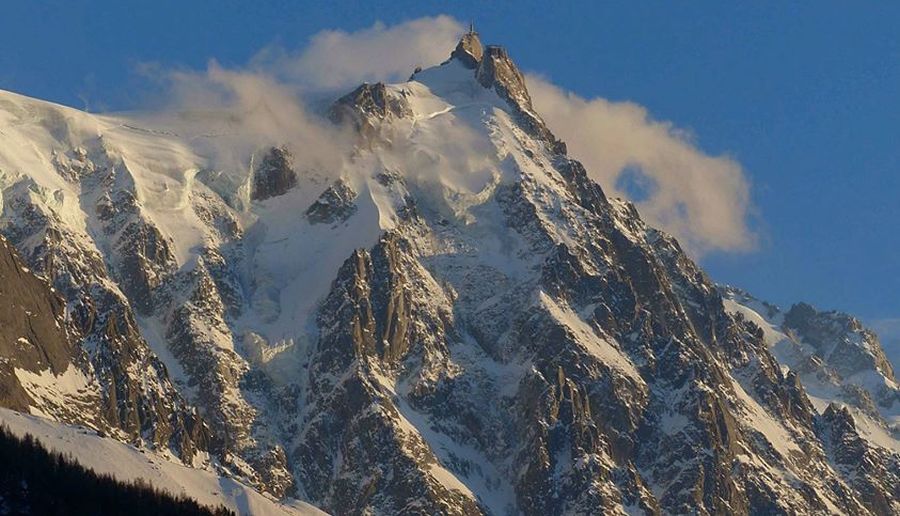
34,480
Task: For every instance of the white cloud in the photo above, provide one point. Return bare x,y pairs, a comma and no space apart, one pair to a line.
249,110
266,102
703,200
337,59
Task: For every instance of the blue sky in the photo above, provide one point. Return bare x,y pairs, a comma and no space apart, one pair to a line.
804,98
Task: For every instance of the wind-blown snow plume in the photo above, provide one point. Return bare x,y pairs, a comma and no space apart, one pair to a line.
232,113
336,59
703,200
267,103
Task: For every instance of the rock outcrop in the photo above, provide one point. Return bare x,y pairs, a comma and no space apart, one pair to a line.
839,339
498,72
366,106
336,204
872,471
274,175
469,50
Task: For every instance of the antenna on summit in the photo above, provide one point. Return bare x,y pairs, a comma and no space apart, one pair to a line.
472,27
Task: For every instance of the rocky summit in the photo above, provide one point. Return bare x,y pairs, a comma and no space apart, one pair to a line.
452,319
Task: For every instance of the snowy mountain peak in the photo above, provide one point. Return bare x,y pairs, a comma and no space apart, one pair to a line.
451,318
835,357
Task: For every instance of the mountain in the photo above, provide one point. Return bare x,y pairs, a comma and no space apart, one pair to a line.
835,356
453,319
847,378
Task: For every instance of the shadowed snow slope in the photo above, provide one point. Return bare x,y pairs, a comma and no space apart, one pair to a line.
127,463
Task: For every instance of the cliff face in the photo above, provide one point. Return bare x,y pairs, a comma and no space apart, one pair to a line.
33,333
458,321
115,383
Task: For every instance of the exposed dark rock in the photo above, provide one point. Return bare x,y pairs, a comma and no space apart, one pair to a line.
274,176
839,335
200,338
335,205
33,329
833,352
131,396
873,472
469,50
366,106
545,353
144,255
370,321
498,72
146,260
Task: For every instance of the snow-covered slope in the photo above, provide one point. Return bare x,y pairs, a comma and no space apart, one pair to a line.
108,456
448,317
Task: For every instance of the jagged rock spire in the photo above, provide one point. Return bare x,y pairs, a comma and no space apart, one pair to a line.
469,50
497,71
